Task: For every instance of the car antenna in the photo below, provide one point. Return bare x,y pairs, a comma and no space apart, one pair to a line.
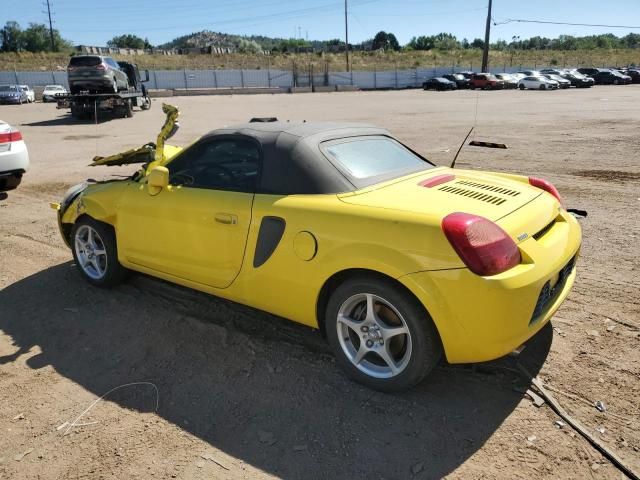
453,164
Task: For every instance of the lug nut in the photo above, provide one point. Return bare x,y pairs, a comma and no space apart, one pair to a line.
364,328
369,343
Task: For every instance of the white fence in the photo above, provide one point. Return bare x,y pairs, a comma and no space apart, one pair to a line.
186,79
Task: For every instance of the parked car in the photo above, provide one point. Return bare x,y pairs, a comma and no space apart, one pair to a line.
508,79
14,157
96,73
468,74
537,83
50,91
609,77
438,83
460,80
577,79
551,71
530,73
486,81
562,82
634,74
343,228
12,94
589,71
31,95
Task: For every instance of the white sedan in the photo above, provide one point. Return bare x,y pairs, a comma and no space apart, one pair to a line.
50,91
14,157
537,83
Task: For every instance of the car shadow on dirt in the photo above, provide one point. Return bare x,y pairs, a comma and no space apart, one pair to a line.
261,389
70,120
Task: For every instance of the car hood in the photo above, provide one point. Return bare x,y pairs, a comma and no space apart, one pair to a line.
492,196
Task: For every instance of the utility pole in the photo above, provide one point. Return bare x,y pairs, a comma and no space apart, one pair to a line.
53,45
346,34
487,34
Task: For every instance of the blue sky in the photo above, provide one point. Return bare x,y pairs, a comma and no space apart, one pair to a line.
91,22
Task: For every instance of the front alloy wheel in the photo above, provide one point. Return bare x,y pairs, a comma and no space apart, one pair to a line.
95,252
380,334
91,252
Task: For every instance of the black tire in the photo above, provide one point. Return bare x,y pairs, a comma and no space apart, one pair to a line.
146,103
128,108
114,273
425,346
521,86
543,87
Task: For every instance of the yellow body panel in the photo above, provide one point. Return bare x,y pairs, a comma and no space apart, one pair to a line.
391,228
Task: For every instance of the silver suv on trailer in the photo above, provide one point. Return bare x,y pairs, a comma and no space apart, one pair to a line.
97,74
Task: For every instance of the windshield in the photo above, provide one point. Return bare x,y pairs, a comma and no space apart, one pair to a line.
85,61
368,160
8,88
53,87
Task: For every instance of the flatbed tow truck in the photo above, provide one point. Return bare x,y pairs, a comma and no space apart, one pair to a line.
88,104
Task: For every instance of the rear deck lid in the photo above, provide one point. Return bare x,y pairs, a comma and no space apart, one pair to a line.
441,191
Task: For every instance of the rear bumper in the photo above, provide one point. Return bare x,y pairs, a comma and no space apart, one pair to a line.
484,318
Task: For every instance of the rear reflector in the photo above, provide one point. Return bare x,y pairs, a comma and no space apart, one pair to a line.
435,181
481,244
9,137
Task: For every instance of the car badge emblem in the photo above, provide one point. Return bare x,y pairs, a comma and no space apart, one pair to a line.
523,236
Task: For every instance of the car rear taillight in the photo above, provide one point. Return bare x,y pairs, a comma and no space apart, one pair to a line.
9,137
482,245
101,66
547,186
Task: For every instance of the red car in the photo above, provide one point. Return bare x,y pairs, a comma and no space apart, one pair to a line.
486,81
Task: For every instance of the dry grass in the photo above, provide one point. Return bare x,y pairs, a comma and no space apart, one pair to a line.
462,59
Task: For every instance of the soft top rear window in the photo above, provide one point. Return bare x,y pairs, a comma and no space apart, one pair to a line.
372,159
85,61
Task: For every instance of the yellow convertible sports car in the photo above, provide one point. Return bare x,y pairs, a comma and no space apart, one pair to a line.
343,228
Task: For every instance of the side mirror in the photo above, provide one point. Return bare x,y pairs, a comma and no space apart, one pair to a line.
146,76
158,179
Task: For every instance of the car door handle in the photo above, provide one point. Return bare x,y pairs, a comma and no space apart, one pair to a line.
226,218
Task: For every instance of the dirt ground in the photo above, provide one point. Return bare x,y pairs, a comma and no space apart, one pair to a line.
242,394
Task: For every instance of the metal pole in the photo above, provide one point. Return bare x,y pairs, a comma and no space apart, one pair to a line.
487,32
346,34
53,45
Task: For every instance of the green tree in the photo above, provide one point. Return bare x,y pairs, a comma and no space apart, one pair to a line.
249,46
36,38
11,36
385,41
127,41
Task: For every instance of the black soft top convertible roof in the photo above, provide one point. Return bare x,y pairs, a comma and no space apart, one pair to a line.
292,160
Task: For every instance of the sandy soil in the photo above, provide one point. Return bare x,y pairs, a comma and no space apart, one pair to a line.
242,394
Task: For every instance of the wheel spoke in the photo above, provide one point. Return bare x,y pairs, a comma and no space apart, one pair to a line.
100,252
352,324
90,237
390,332
371,313
387,358
362,351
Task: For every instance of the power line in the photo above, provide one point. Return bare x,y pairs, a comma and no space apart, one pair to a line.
520,20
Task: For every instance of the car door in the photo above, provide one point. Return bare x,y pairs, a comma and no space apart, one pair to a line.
121,77
196,228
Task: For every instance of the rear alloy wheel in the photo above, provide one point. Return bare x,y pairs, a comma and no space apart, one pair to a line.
542,87
95,253
381,336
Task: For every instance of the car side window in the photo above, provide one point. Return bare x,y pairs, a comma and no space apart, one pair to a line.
218,164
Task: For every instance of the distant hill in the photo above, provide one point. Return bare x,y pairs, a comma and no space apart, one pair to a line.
207,38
